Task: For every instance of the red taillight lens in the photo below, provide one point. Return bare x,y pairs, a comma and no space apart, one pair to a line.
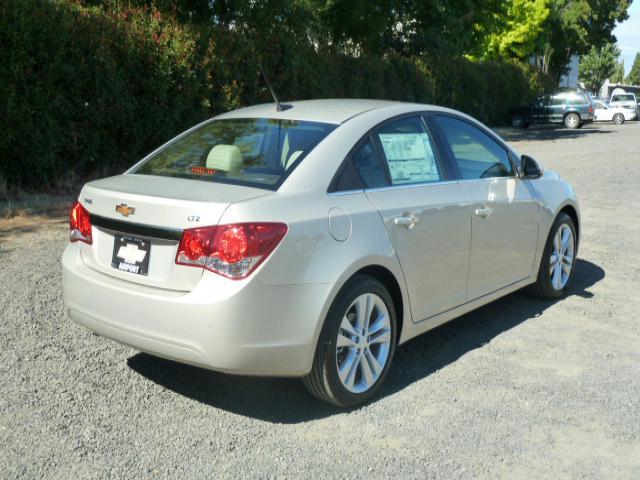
80,224
233,251
590,108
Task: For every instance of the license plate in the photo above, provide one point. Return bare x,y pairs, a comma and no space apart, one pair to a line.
131,254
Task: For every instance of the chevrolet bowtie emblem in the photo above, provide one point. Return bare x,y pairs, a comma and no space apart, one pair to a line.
125,210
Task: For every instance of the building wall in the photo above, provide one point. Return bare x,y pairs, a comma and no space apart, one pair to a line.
570,79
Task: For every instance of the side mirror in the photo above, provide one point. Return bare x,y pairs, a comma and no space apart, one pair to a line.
530,168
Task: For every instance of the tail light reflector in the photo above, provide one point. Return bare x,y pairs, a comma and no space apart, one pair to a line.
233,251
80,224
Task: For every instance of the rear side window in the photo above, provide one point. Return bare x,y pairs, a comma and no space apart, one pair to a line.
369,165
253,152
476,153
576,99
409,152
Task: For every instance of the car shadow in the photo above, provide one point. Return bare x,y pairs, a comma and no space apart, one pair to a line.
286,400
548,133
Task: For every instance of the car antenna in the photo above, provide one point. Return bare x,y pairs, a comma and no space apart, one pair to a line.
279,107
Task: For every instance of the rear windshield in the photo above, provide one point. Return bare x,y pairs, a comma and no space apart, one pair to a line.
253,152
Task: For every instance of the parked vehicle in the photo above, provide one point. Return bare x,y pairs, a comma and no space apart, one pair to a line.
624,100
571,108
310,240
619,115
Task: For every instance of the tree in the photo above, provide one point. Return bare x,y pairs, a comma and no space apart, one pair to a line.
575,26
618,74
634,75
513,31
598,65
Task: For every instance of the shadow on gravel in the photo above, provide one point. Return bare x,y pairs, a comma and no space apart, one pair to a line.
287,401
548,133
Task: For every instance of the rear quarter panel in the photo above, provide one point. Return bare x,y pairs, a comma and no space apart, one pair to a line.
310,253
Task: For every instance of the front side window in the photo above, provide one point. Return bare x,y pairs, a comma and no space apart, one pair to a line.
253,152
476,153
409,152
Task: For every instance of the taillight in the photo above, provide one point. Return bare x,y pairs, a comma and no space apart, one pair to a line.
233,251
590,108
80,224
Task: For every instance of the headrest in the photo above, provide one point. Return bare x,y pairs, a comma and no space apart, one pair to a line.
225,158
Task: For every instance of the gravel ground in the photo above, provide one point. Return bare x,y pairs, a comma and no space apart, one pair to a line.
520,388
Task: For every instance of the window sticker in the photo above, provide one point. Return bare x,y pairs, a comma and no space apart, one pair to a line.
198,170
410,157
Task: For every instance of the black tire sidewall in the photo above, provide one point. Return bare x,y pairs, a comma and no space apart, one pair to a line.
357,286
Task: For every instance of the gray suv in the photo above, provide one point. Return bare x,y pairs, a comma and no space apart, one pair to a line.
572,108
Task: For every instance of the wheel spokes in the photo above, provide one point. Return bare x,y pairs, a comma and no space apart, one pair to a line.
347,371
381,336
367,373
363,343
347,327
344,341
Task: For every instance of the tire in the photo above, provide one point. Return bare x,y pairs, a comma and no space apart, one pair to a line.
518,121
547,285
354,386
618,118
572,121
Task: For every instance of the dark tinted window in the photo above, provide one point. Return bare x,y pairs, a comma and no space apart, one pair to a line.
475,152
257,152
409,152
369,165
347,180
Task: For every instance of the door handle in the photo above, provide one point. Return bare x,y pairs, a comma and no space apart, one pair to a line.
484,212
408,221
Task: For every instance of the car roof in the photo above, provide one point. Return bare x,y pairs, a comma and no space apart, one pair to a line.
334,111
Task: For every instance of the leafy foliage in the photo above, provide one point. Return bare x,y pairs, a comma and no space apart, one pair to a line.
514,30
618,73
598,65
114,82
634,74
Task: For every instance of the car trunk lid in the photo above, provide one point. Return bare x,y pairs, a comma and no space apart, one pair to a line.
150,213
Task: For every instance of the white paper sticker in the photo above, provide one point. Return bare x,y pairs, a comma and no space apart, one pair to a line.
410,157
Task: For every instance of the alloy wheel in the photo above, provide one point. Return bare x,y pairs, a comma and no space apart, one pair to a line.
364,343
573,121
562,257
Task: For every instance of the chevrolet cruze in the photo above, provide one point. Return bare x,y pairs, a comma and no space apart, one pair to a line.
311,239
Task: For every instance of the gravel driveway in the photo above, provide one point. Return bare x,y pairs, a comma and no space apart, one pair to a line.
521,388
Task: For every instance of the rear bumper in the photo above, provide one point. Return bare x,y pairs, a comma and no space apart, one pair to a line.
244,327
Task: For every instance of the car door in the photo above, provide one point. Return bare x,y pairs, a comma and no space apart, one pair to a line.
423,209
504,210
537,109
556,109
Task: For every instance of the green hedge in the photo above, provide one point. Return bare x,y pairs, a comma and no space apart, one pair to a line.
86,91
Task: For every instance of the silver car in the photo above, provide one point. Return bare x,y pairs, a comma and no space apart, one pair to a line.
313,239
